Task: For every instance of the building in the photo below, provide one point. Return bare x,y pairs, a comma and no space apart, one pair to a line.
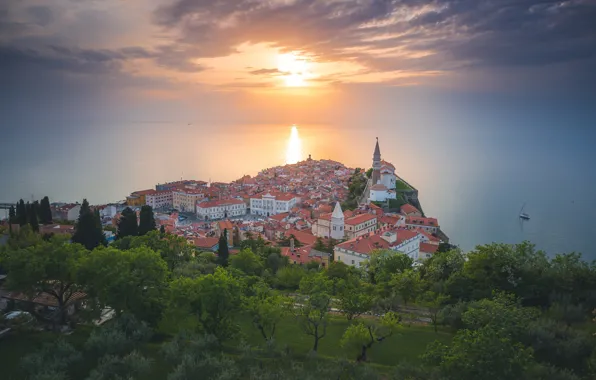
137,198
66,212
271,204
355,251
359,225
376,166
304,255
220,209
225,226
207,243
330,225
409,210
160,199
428,224
185,200
380,193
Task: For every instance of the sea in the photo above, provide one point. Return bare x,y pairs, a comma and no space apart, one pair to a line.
473,175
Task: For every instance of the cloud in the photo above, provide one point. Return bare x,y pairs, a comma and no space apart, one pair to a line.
267,72
41,15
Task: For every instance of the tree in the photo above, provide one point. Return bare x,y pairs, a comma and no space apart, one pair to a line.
312,306
32,216
247,262
130,367
162,230
88,230
45,211
49,267
223,253
479,354
362,337
132,281
12,215
407,284
214,301
146,220
122,335
21,213
369,173
127,225
433,303
51,361
275,261
319,245
289,277
354,299
384,263
266,308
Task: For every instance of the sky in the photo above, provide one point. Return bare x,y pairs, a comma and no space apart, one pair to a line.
270,61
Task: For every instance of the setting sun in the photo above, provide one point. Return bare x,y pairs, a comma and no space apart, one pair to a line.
294,68
294,149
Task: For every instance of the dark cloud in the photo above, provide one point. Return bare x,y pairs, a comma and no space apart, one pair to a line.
41,15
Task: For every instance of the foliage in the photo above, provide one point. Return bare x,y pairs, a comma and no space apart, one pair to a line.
130,367
214,300
361,337
127,224
88,231
51,361
312,307
12,214
132,281
480,354
32,216
289,277
247,262
433,303
407,284
45,211
275,261
203,263
146,221
223,252
21,213
50,267
369,173
266,308
354,298
119,337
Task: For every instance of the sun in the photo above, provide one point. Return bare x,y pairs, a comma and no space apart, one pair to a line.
294,149
294,67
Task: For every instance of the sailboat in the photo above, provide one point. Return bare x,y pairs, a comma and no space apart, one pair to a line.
523,215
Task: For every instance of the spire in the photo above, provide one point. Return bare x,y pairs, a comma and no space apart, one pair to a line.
377,154
337,212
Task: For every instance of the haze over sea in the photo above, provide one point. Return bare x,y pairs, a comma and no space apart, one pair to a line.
473,170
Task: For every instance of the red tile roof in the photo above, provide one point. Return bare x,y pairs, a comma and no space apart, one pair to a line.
358,219
431,222
206,242
279,217
301,236
365,244
219,202
144,192
409,209
428,248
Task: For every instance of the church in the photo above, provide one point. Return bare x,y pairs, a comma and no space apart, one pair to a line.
382,181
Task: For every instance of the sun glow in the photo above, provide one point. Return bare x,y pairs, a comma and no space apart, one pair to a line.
294,149
294,69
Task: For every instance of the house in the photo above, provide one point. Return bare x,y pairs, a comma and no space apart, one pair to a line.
138,198
303,237
43,303
160,199
58,229
305,254
225,225
185,200
359,225
409,210
66,212
207,243
220,209
271,204
428,224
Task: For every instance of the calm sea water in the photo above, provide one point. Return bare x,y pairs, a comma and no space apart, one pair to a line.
473,179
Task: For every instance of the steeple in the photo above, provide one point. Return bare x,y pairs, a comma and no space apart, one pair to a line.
377,153
337,212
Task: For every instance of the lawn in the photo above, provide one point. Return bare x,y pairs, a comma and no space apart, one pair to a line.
401,185
407,345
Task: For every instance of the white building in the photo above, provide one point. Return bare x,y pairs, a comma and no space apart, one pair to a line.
186,200
330,225
159,199
388,176
109,211
220,209
66,211
359,225
380,193
272,204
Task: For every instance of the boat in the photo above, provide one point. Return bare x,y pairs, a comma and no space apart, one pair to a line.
523,215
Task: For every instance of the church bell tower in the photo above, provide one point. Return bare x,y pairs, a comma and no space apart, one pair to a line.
376,174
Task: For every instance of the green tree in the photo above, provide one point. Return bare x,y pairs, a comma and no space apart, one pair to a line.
214,300
369,173
223,252
32,216
312,306
127,225
51,361
361,337
130,367
266,308
132,281
50,267
275,261
289,277
406,284
88,231
146,220
480,354
320,245
21,213
433,302
45,211
162,230
247,262
121,336
384,263
354,298
12,214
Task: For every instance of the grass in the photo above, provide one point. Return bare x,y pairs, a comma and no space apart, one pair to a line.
407,345
401,185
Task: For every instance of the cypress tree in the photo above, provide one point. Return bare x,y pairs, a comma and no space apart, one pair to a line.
32,217
21,213
45,211
162,230
88,231
146,220
223,253
12,215
127,225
